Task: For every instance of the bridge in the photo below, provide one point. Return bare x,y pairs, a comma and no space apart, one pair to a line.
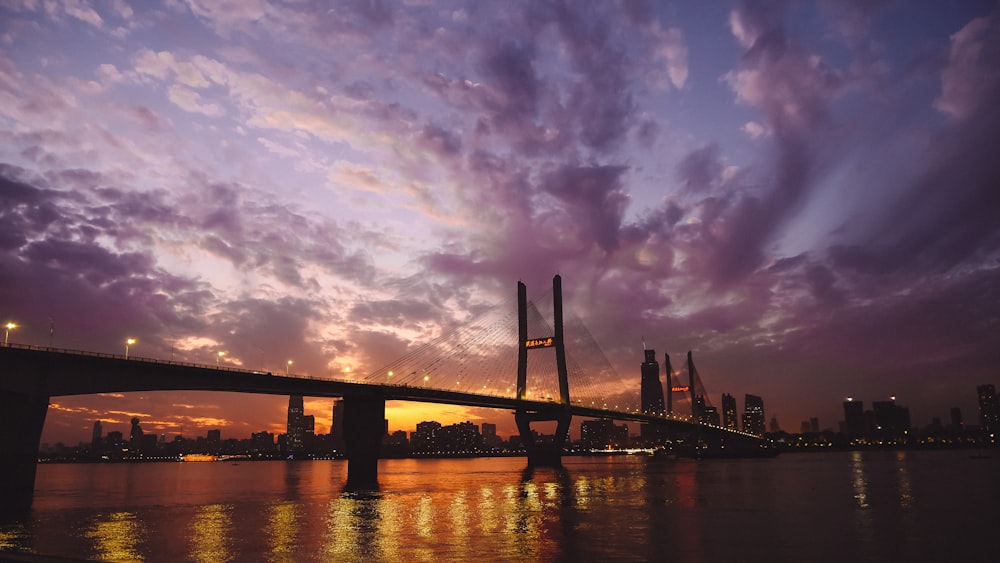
31,375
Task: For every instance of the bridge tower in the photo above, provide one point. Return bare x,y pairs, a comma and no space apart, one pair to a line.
542,454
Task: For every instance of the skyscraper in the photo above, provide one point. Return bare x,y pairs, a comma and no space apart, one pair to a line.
730,419
295,429
854,417
989,408
95,440
337,427
651,392
753,415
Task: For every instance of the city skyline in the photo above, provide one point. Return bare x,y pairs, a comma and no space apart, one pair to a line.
803,194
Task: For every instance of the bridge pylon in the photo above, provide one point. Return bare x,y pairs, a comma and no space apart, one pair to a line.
542,454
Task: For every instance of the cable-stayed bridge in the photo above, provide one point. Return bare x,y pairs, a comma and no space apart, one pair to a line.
473,365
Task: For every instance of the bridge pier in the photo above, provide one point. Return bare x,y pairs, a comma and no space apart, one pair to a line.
364,427
22,416
547,454
540,455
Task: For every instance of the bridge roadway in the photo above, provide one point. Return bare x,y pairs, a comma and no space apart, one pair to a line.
30,376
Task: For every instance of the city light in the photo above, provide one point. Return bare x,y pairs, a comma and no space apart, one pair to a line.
129,342
9,326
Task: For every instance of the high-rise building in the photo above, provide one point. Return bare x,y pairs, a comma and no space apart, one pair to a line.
135,435
337,426
892,421
956,418
753,415
710,415
854,416
295,432
95,440
603,433
651,392
730,418
490,438
424,438
989,408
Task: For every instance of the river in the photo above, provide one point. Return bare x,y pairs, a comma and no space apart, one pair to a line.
831,506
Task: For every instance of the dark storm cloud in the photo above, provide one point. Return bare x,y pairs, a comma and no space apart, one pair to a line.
599,99
594,195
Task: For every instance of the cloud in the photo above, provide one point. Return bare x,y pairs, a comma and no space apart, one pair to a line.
971,79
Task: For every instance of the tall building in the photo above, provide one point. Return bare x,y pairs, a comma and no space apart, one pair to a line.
989,408
651,392
603,433
95,440
730,418
337,427
135,435
892,421
425,437
490,438
753,415
295,433
956,418
854,417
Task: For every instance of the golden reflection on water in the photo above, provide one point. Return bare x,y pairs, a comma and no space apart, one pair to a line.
425,517
211,529
340,537
488,521
859,481
459,515
117,537
282,528
390,520
906,499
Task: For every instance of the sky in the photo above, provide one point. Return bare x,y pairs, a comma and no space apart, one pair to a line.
805,194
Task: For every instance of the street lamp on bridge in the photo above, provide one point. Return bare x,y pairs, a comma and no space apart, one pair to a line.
287,365
9,326
218,357
128,342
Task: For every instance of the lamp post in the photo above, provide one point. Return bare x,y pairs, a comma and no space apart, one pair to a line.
287,365
218,357
9,326
128,342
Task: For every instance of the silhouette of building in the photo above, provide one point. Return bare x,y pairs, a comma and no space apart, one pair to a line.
989,409
730,418
892,421
135,435
753,415
462,437
337,426
295,432
262,442
96,441
651,392
710,415
603,433
957,424
490,438
424,438
854,417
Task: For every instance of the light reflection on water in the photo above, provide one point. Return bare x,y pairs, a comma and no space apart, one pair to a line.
116,537
820,507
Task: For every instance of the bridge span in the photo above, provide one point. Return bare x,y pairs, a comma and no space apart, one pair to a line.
30,376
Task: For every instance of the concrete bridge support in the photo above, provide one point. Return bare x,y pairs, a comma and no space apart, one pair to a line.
542,454
364,428
22,416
